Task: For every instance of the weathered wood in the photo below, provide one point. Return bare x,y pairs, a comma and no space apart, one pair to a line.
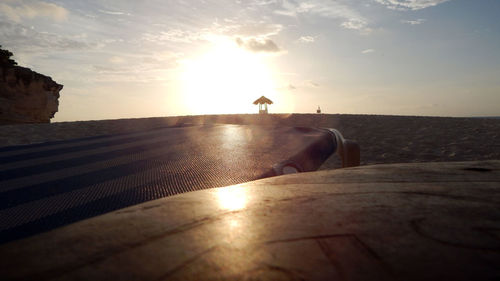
427,221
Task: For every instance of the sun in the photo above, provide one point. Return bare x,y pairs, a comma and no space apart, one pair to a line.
225,79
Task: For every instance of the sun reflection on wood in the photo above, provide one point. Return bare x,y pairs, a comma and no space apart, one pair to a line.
232,198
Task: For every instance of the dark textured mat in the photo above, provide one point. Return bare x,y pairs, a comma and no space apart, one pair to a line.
43,186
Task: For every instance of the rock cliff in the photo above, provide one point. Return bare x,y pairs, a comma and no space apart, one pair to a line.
27,96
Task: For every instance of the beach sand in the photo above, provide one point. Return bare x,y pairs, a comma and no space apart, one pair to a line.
383,139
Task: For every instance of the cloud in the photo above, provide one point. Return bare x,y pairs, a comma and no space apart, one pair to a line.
306,39
349,17
304,84
228,28
311,83
116,60
25,9
287,87
405,5
114,13
30,40
414,22
264,2
145,67
367,51
248,29
175,36
353,24
258,45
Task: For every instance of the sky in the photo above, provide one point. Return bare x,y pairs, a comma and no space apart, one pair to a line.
131,59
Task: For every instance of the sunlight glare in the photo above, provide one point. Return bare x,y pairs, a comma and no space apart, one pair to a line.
232,198
225,79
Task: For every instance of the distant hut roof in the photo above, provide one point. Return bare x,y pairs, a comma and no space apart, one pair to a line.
263,100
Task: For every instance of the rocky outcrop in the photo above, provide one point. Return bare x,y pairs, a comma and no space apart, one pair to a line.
27,96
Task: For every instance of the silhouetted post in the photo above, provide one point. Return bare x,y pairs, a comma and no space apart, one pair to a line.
318,110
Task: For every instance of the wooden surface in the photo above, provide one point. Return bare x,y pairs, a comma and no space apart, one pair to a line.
427,221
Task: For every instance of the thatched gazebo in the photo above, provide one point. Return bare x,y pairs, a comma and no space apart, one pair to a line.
263,102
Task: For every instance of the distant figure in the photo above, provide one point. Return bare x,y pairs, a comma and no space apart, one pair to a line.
263,102
318,110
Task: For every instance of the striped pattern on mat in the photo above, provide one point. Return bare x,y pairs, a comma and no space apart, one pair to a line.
43,186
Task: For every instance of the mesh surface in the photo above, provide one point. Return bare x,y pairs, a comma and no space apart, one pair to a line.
43,186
